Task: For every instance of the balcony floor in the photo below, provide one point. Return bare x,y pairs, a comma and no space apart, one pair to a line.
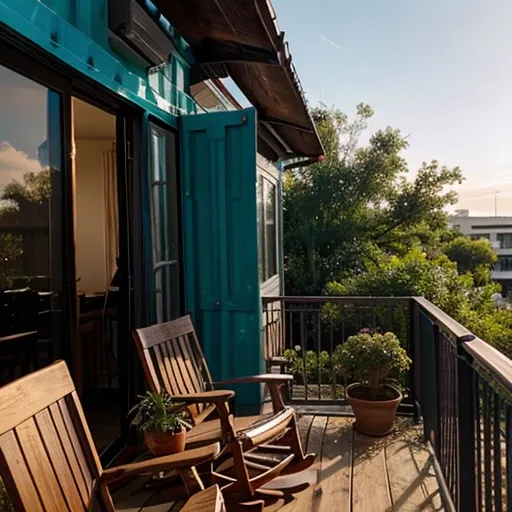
362,474
354,473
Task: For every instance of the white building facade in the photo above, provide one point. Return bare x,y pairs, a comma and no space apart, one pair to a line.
498,230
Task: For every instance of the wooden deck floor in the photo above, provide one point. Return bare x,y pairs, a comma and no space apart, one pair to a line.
356,473
353,473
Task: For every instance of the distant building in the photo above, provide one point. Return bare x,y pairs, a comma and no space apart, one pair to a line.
498,230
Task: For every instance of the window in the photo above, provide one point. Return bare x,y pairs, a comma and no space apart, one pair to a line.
164,225
31,219
480,236
504,264
505,240
267,228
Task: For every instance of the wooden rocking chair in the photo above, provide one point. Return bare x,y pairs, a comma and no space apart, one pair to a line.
255,449
48,461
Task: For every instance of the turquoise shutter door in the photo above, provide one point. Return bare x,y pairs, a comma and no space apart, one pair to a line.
218,156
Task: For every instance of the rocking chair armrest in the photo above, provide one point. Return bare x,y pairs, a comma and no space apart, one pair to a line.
273,380
266,378
220,399
220,395
182,460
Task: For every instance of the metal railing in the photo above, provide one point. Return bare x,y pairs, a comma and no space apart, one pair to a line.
458,384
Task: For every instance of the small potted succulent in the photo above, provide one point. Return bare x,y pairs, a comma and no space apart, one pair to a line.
372,360
163,423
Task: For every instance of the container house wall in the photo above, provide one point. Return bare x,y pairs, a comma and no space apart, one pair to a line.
76,32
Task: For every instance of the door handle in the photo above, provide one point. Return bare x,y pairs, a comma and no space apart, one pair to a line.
161,264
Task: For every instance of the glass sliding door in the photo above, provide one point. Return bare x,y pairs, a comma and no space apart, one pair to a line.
31,213
164,226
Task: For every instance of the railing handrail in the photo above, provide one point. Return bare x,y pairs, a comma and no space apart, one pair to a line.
498,365
445,320
488,357
336,298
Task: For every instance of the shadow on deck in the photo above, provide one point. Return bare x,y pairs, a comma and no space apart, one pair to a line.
352,473
362,474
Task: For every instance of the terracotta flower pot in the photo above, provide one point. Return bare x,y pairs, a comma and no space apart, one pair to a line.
163,443
374,417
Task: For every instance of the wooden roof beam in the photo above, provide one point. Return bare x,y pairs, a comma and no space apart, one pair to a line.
213,52
286,124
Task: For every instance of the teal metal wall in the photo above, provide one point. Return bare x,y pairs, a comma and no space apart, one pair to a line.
218,178
76,32
218,164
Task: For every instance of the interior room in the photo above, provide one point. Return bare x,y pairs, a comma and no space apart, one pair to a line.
97,246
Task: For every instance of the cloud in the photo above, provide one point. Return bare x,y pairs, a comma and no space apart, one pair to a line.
332,43
14,164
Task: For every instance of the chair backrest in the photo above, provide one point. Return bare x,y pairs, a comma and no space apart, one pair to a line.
173,360
47,457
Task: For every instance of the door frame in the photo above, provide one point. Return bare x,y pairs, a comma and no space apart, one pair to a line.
27,59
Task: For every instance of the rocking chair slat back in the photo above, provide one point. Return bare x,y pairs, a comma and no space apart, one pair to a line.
173,360
47,457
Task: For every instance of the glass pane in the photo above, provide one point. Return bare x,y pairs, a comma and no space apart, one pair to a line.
270,230
164,225
31,272
261,234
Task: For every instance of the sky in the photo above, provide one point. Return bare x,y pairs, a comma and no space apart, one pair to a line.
439,70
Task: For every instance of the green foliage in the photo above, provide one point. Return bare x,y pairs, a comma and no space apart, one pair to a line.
33,190
5,501
317,366
414,275
343,214
371,359
474,256
160,414
11,251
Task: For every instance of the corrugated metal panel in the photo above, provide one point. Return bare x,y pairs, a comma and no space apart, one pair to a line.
220,240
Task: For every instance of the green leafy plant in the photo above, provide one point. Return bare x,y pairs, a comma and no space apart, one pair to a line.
317,366
372,360
160,414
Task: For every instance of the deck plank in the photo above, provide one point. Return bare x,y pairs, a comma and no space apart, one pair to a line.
370,488
304,425
405,478
336,471
308,500
429,484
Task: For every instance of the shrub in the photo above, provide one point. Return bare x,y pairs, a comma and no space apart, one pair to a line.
371,359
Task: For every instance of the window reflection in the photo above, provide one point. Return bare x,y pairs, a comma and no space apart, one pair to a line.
267,228
29,155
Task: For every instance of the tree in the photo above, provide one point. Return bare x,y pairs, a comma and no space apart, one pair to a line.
25,199
344,213
474,256
438,281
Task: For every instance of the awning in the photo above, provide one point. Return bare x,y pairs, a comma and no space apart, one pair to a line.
240,39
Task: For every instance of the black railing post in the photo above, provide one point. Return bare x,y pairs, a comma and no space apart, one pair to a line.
466,389
414,350
437,434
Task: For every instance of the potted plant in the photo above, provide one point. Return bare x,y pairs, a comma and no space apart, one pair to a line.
372,360
163,423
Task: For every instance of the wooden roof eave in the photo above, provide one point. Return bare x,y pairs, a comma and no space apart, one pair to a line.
241,39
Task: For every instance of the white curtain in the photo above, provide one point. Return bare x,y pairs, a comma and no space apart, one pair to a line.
111,213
